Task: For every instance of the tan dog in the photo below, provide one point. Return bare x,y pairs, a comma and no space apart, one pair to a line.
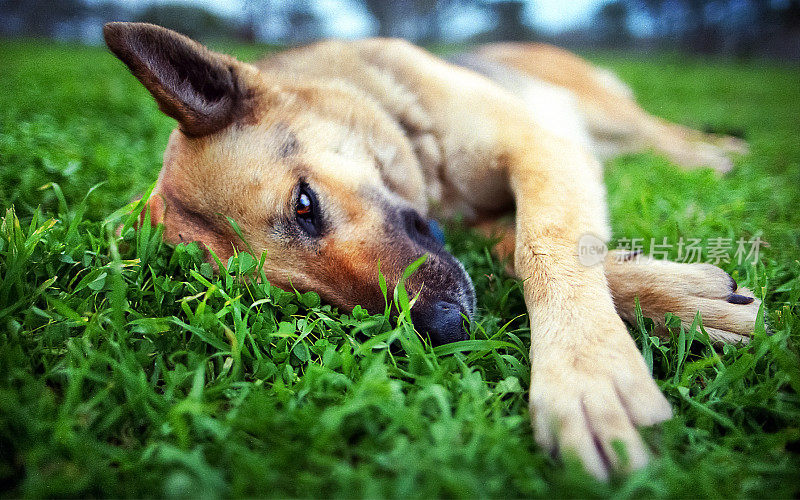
332,156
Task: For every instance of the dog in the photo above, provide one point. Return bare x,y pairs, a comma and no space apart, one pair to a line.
333,157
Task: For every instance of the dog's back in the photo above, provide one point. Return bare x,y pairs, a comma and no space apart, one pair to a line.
592,106
555,108
562,92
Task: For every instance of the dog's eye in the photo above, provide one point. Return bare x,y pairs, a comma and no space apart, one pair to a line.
303,205
306,210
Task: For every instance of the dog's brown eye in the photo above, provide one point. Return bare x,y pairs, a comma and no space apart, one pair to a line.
307,212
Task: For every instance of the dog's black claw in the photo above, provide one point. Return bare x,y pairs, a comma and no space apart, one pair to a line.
734,285
735,298
632,255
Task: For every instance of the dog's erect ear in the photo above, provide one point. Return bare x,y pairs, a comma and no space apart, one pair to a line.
197,87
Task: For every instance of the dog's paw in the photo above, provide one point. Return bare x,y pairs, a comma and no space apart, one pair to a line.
705,154
729,312
590,402
732,145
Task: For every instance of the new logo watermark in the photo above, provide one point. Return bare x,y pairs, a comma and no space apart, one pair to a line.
592,250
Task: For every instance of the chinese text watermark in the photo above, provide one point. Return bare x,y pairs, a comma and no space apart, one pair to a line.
593,250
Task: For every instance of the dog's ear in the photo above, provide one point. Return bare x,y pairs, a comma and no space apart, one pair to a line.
197,87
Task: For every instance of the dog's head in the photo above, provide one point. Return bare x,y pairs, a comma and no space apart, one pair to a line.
315,174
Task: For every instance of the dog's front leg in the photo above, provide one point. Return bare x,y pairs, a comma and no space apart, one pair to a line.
589,385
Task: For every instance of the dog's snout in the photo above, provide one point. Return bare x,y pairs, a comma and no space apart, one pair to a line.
442,321
444,290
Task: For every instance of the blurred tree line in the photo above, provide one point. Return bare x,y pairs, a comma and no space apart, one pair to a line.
743,28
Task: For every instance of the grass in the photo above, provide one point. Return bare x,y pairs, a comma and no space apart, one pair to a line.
128,369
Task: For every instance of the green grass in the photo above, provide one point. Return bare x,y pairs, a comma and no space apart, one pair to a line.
128,369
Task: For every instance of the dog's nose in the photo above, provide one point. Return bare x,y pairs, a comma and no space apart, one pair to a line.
416,227
442,321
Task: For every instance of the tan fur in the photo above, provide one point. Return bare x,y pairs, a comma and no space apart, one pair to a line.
379,126
616,122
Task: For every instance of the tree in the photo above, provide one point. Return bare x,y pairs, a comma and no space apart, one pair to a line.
418,20
612,23
39,17
304,24
193,22
386,13
509,21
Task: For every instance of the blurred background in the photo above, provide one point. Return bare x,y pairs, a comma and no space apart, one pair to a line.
732,28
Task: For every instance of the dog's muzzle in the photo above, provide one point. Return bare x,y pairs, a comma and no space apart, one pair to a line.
447,299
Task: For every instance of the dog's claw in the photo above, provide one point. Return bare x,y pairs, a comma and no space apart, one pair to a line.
735,298
734,285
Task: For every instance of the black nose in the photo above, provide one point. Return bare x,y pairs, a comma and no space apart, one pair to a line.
417,227
442,321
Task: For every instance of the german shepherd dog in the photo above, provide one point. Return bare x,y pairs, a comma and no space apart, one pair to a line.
333,157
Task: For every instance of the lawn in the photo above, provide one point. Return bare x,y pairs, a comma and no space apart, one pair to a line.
128,369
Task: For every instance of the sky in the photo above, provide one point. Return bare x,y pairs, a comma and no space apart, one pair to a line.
346,19
557,15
